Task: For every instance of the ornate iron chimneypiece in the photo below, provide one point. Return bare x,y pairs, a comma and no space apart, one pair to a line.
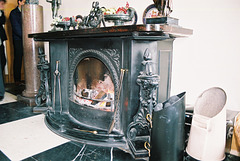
105,83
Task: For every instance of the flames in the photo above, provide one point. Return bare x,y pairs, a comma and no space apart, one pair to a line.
94,86
102,104
110,91
102,100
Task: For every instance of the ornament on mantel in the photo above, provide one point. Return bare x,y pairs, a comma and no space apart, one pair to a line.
55,7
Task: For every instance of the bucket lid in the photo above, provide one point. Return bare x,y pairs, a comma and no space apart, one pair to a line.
210,102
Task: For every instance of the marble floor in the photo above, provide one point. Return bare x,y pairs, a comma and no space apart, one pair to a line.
24,136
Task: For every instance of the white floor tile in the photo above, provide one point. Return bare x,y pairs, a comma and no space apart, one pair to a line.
8,97
27,137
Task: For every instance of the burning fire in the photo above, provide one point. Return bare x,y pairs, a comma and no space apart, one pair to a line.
102,104
110,91
94,86
102,100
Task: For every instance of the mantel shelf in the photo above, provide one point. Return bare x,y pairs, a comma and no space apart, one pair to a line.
136,31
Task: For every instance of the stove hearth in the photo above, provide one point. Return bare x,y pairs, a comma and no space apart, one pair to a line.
105,83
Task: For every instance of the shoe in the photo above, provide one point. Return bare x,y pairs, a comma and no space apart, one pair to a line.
1,98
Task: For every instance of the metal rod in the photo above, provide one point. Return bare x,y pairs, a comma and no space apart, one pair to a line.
57,75
117,102
60,93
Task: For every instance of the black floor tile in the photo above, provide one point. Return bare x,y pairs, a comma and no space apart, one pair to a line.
65,152
230,157
14,111
77,151
3,157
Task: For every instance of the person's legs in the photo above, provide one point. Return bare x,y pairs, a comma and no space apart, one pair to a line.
2,88
2,57
2,65
17,63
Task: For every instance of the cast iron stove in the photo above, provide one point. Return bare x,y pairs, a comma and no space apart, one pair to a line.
102,84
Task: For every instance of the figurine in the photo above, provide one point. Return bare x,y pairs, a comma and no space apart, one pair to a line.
94,18
164,7
55,6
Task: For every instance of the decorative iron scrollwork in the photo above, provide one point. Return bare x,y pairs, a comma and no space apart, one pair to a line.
72,53
114,55
44,92
138,132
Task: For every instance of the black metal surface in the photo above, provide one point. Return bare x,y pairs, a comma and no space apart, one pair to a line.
66,126
139,130
91,117
167,139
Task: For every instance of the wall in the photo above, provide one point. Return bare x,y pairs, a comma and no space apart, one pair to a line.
210,57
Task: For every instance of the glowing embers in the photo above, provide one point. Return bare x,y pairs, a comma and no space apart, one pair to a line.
93,85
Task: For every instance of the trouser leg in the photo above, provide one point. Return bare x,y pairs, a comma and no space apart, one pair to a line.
17,63
2,57
2,65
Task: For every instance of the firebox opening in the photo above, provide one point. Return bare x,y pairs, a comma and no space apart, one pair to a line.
93,85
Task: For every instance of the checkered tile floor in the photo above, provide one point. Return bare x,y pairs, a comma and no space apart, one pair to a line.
24,136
